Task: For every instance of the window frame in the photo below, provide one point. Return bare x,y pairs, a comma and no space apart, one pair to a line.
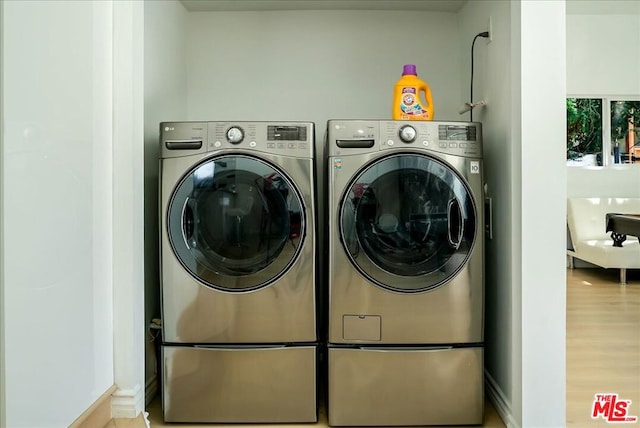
607,144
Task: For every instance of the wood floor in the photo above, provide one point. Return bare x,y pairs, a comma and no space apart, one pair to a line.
603,350
603,342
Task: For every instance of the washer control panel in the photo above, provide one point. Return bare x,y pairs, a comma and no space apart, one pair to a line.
295,139
456,138
287,138
346,137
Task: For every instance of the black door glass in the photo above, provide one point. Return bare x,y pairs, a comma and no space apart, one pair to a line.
408,222
236,222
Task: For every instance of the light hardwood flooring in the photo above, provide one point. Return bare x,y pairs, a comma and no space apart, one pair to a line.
603,342
603,350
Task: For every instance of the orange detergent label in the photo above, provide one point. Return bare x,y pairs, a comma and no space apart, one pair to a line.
410,103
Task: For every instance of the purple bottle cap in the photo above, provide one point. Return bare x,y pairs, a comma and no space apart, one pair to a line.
409,69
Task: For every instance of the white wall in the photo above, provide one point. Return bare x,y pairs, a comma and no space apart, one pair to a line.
57,210
617,181
72,209
492,83
165,99
3,413
542,173
604,54
317,65
127,204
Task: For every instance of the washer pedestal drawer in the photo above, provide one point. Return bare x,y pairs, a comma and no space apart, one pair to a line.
239,384
405,386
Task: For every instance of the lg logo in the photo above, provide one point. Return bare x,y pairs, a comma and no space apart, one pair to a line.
475,167
169,128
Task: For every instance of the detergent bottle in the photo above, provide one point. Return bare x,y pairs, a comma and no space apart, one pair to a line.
407,102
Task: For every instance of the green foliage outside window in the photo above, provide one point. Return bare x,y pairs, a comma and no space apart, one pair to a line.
584,127
622,112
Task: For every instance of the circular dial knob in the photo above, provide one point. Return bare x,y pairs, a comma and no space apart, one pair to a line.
408,134
235,135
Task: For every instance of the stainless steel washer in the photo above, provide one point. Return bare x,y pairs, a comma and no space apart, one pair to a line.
238,272
406,273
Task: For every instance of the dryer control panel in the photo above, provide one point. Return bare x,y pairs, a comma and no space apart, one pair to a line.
294,139
287,139
361,136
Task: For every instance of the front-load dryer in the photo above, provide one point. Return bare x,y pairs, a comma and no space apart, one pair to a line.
238,272
406,273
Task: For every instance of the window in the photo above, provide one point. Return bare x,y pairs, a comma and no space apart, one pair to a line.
584,131
603,131
625,115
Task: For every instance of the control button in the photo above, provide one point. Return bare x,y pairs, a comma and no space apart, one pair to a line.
453,145
217,144
253,144
463,145
408,134
292,146
302,145
271,145
389,142
282,146
425,143
235,135
443,145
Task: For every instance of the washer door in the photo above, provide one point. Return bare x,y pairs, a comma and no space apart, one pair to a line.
408,222
236,223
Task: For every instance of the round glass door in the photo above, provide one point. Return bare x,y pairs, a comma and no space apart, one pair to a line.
408,222
236,223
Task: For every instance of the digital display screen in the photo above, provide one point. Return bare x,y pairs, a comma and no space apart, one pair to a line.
286,133
457,133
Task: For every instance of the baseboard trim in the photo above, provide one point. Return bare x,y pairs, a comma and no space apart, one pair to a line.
151,389
98,414
127,403
500,402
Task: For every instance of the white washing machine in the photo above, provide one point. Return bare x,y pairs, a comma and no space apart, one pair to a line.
406,273
238,250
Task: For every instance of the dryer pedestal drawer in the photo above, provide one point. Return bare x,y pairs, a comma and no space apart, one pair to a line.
239,384
405,386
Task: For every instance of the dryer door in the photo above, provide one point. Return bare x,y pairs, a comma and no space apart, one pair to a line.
236,223
408,222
